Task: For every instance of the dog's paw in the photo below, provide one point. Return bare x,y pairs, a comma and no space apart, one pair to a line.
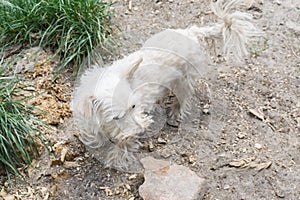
173,118
173,122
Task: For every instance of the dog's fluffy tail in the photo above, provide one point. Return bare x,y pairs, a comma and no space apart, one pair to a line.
234,27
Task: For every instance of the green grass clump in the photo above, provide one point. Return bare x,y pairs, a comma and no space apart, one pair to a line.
19,130
72,28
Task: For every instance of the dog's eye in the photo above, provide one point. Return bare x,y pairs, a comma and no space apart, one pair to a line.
133,106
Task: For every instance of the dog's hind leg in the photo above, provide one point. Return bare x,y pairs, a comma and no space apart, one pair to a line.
172,106
181,106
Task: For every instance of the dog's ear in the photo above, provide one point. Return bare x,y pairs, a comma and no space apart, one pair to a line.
89,105
134,67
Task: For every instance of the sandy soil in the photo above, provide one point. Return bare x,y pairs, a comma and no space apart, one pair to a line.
248,147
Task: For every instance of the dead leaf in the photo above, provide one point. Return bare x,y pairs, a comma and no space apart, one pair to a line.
237,163
127,186
243,162
257,113
251,162
117,192
63,154
44,192
57,147
108,191
69,164
60,176
265,165
3,193
130,5
192,159
9,197
133,176
252,165
29,88
55,161
53,190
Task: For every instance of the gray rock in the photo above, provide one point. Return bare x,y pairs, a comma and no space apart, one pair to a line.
167,181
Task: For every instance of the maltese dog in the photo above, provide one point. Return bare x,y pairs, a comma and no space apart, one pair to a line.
115,107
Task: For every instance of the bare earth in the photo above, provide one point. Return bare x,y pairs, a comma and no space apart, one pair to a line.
247,147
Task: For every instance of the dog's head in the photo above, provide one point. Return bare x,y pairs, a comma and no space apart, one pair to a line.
111,101
108,106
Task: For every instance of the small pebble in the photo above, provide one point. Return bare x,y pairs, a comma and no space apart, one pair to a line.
6,184
164,180
133,176
226,187
127,186
278,2
258,146
161,141
150,146
241,135
9,197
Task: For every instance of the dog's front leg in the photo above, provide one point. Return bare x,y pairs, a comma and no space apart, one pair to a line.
173,110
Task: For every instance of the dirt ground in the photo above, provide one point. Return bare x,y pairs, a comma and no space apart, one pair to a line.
247,147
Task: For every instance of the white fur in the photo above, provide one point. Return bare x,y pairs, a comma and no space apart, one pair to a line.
114,104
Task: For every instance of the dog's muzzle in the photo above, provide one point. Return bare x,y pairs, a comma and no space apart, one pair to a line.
119,116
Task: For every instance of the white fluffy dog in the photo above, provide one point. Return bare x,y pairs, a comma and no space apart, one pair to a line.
116,106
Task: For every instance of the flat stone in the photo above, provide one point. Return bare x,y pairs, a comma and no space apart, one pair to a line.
167,181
